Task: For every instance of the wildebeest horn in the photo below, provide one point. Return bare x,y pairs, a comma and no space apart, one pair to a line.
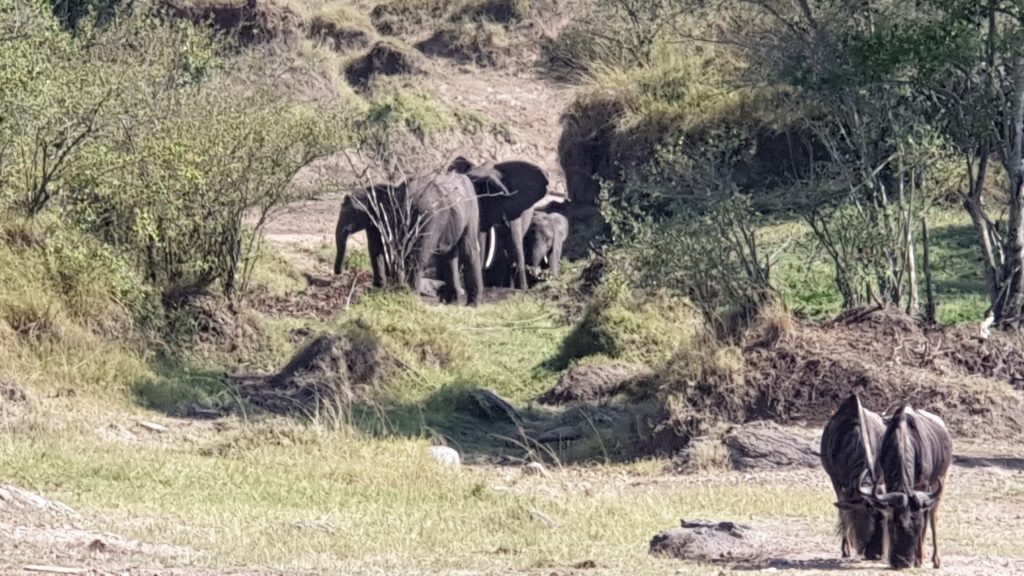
890,500
867,488
925,500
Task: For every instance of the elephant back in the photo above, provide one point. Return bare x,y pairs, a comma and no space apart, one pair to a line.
444,193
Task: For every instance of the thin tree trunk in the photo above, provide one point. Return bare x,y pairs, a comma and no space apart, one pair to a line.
930,308
1009,304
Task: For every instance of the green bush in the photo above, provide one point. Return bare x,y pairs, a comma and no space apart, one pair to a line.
136,134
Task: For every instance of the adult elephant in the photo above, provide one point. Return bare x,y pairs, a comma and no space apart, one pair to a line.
506,192
442,223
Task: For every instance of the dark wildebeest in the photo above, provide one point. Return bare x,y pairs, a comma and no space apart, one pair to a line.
915,456
848,448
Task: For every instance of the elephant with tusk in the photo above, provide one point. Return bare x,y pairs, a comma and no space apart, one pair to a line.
506,193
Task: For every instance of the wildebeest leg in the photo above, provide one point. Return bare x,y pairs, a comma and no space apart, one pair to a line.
920,543
844,548
933,519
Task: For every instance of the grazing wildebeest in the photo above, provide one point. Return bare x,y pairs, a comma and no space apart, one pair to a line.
848,448
915,455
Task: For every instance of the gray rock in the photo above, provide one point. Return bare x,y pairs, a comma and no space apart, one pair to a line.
560,434
766,445
710,541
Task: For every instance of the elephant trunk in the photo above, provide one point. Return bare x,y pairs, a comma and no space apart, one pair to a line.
341,240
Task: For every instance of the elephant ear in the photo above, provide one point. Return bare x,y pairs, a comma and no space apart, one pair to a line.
488,181
524,178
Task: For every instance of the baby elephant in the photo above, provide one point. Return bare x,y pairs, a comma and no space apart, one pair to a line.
545,237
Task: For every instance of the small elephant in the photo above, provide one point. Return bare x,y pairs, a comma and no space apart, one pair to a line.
543,242
445,220
506,192
548,231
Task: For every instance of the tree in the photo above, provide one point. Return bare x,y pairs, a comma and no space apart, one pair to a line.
967,58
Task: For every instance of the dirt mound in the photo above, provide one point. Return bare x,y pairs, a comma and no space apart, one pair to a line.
222,324
339,31
332,371
321,299
888,359
386,58
590,382
501,11
480,43
251,20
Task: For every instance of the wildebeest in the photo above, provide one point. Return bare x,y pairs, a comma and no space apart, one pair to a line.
848,447
915,455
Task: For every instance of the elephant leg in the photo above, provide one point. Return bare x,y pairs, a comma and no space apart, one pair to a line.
447,269
538,250
517,228
376,247
555,258
472,269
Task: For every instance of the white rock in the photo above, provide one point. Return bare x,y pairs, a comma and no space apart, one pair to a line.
445,455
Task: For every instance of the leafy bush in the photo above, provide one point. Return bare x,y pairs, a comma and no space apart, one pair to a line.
138,137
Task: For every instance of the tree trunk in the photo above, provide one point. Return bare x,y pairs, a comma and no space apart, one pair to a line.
930,309
1010,301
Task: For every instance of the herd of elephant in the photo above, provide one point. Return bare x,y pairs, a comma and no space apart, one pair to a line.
478,222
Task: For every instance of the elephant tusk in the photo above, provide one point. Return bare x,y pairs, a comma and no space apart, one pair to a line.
545,260
490,248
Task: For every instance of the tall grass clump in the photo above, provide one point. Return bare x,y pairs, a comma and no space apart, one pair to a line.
620,322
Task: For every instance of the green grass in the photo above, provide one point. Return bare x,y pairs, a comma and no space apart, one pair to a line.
337,503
